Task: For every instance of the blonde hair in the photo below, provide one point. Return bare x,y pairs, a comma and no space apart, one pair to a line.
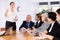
45,15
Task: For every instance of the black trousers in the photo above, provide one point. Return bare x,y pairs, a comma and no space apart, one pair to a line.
10,24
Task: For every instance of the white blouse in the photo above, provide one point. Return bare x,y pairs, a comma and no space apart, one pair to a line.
11,16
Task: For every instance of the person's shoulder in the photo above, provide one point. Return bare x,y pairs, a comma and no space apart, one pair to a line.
41,22
47,23
57,24
6,10
32,22
24,21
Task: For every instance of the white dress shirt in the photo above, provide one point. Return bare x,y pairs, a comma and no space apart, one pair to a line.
11,16
51,27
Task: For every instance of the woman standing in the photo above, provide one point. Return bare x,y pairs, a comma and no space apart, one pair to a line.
11,17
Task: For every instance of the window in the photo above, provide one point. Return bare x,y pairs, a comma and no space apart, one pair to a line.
52,3
43,3
43,8
55,8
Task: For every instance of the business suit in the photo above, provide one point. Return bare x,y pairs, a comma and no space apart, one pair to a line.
25,25
37,27
43,27
38,24
55,31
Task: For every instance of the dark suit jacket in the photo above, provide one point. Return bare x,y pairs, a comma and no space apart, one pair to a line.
26,26
55,30
39,24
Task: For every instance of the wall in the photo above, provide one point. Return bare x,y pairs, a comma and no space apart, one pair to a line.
26,7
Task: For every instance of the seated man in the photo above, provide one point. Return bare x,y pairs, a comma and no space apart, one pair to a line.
28,24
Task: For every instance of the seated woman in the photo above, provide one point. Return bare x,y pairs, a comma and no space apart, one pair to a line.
45,24
28,24
53,32
38,23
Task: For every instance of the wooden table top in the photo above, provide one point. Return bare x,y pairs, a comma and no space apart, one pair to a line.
19,36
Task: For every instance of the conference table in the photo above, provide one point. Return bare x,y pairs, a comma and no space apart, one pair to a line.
20,36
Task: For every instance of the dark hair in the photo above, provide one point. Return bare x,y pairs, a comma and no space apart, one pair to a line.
38,15
11,3
52,15
58,11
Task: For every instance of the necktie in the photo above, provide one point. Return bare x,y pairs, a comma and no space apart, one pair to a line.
28,24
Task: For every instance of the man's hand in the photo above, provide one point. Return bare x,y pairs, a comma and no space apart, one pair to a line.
23,29
30,30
